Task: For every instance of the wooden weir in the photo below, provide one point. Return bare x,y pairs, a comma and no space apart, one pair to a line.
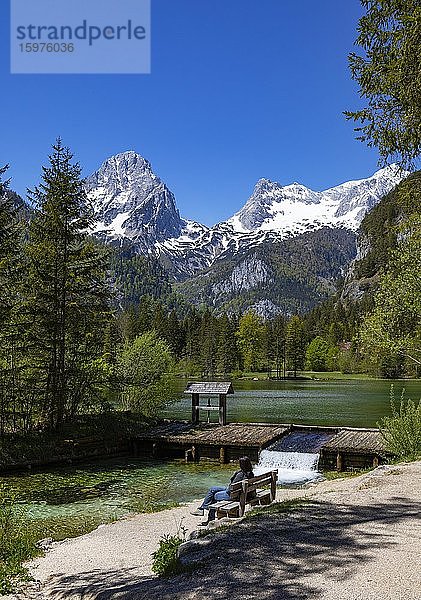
349,448
353,448
217,442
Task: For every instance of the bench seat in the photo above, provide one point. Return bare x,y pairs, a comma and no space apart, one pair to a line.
247,492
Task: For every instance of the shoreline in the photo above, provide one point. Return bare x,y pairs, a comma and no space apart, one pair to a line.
116,556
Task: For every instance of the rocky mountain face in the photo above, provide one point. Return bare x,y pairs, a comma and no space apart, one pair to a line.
131,203
379,234
235,259
288,276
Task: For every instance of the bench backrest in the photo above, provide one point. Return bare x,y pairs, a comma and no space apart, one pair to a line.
246,489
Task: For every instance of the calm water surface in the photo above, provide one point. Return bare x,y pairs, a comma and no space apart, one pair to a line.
348,403
112,488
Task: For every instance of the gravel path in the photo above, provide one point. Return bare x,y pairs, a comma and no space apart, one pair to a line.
354,539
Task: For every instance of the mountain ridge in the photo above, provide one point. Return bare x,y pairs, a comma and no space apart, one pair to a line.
253,258
131,203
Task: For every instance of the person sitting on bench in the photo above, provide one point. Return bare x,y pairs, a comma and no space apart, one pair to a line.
218,493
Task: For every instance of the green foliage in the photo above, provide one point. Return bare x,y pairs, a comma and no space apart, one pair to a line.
251,340
317,355
16,544
389,75
402,431
165,560
295,344
392,331
137,276
380,228
52,338
145,371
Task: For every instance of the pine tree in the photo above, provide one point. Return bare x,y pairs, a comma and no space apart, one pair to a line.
388,74
14,400
68,292
9,241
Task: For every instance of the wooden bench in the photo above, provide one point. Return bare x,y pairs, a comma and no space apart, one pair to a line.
260,490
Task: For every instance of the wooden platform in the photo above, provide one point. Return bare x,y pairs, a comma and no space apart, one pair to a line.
353,449
222,442
356,440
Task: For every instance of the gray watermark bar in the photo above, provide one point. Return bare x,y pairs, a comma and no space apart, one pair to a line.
80,36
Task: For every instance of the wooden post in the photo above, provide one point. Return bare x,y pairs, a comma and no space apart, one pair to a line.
273,485
339,462
243,497
190,454
194,408
375,462
222,409
222,455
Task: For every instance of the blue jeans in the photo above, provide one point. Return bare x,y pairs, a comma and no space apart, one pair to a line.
214,494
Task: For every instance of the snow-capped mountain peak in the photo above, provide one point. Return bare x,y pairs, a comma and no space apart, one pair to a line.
295,208
130,201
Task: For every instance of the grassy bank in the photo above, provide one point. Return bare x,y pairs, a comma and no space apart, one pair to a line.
19,538
319,375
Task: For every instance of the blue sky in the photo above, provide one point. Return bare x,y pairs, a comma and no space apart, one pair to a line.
239,90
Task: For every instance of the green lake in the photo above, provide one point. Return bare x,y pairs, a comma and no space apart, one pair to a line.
353,403
110,489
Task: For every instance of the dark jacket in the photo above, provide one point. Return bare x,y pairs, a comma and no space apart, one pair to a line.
239,476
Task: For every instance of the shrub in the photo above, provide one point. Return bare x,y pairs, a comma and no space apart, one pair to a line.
165,559
402,430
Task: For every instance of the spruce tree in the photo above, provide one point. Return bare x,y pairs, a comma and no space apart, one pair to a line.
14,402
68,291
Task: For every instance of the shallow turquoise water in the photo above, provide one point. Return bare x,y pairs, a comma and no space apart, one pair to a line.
112,488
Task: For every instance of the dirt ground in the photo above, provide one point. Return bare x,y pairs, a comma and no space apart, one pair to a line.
354,539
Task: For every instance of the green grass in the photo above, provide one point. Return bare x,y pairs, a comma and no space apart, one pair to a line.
16,545
337,375
320,375
332,475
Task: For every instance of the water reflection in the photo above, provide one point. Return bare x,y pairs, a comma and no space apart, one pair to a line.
353,403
